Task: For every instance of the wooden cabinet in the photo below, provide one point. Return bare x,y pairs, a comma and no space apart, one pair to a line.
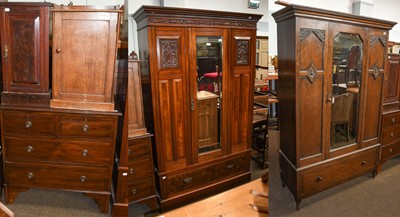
202,145
330,91
391,110
25,54
56,149
84,54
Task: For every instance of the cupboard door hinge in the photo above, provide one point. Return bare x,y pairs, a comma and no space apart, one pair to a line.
192,104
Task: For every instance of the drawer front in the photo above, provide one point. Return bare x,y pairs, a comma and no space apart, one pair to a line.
323,176
390,151
139,147
87,126
87,152
193,179
391,119
140,168
390,135
27,175
140,189
29,123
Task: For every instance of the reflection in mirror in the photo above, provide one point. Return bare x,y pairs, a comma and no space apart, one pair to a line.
346,82
209,92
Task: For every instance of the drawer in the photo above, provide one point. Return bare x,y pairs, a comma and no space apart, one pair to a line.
390,151
141,189
87,152
87,126
323,176
139,147
391,119
67,177
390,135
203,176
29,123
140,168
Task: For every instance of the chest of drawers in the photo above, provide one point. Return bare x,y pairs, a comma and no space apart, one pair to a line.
390,137
59,149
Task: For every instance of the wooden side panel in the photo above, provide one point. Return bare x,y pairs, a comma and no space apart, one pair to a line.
376,64
170,98
241,85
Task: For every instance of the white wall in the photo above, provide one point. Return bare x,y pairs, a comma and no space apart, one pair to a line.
222,5
388,10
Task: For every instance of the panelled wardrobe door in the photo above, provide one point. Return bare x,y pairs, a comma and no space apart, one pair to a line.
84,54
25,53
170,87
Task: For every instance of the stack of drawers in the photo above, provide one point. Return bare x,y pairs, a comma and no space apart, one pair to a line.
141,188
59,149
390,136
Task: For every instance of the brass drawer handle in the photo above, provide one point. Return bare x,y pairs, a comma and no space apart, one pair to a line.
83,179
28,124
29,149
188,180
392,134
363,163
230,166
85,152
131,170
134,191
129,152
30,175
390,150
320,178
85,128
58,50
393,120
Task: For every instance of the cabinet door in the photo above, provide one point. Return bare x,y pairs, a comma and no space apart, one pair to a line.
392,82
169,78
84,49
25,48
208,76
347,88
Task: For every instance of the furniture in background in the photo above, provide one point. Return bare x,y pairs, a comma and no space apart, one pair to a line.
320,41
259,143
84,53
341,114
25,54
391,110
175,41
60,148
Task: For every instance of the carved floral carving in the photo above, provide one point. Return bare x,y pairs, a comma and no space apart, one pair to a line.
169,53
201,22
373,38
311,73
242,47
375,71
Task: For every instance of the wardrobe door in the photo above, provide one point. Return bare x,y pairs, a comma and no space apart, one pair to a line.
169,75
208,72
392,82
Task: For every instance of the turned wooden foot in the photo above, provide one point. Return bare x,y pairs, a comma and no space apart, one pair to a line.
102,200
298,206
12,193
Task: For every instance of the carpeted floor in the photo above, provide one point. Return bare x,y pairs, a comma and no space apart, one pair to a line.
361,197
52,203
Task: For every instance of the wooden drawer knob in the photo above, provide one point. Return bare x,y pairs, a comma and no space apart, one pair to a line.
134,191
85,128
83,179
58,50
320,178
29,149
363,163
85,152
392,134
393,120
129,152
188,180
390,150
28,124
230,166
131,170
30,175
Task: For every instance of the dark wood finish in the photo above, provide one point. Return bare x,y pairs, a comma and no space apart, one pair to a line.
308,164
59,149
167,38
25,54
84,54
391,111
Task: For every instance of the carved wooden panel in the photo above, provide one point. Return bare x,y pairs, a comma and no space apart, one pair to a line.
169,56
242,51
312,42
